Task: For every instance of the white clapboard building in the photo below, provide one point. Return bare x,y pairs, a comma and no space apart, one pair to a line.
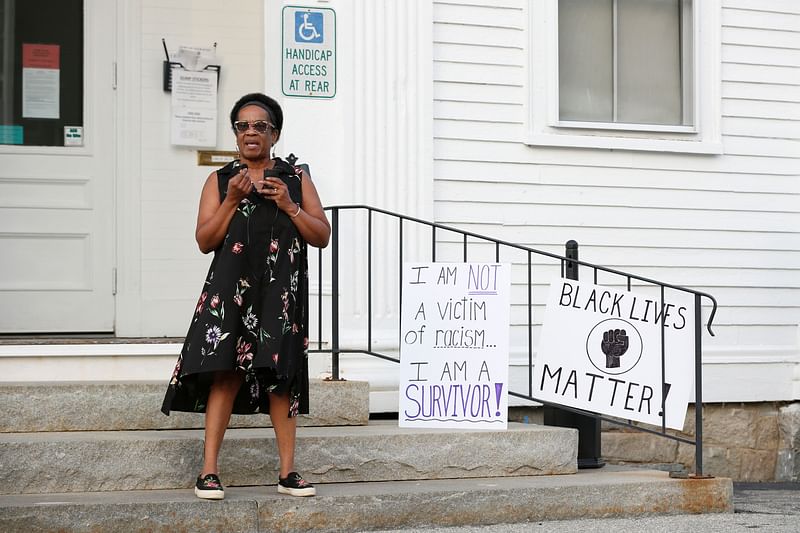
662,135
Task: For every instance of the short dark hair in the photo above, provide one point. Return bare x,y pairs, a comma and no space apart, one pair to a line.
272,108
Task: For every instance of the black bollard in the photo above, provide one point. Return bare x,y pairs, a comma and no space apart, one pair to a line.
588,427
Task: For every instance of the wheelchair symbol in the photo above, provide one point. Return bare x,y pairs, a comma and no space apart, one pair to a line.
308,27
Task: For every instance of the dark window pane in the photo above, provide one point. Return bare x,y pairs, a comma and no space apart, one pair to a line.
44,38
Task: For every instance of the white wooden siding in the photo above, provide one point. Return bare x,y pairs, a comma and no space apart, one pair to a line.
727,224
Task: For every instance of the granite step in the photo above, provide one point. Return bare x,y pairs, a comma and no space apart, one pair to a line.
381,451
114,406
373,506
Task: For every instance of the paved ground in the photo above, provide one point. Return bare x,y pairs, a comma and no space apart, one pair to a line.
767,507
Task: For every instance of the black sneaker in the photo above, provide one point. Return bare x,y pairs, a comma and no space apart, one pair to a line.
295,485
209,488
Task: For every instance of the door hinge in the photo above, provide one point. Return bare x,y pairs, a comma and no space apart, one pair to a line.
114,77
114,281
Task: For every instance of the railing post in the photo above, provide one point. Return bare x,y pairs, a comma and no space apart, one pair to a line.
698,387
588,427
335,294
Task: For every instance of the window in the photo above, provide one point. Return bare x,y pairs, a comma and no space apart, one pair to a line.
625,74
625,61
41,71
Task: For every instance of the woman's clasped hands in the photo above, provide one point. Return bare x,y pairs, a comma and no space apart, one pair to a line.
270,188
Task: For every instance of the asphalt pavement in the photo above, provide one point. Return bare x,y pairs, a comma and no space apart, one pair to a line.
767,507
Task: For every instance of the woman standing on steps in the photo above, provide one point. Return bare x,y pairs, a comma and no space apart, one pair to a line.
246,348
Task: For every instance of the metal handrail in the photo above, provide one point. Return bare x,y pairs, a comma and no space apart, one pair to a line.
565,262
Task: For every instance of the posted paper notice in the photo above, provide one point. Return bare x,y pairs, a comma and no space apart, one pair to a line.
41,76
194,108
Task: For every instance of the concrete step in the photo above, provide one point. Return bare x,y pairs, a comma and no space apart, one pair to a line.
381,451
113,406
371,506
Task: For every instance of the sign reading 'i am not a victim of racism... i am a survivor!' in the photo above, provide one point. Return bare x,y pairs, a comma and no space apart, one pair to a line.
454,345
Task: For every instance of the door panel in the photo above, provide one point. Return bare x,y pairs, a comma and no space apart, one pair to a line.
56,201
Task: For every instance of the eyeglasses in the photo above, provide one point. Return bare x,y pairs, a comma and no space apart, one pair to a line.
261,126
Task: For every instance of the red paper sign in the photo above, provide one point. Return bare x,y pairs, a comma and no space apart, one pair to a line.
40,55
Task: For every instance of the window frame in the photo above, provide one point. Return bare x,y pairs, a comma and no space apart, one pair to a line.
546,129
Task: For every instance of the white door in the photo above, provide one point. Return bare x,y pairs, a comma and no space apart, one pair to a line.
56,185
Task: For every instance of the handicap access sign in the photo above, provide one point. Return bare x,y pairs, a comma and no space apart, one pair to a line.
308,54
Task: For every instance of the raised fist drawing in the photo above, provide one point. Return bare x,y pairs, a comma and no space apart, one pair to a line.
614,345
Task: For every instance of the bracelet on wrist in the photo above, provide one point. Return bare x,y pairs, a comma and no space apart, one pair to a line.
296,212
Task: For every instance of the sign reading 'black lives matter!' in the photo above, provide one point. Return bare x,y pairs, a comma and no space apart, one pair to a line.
454,345
601,351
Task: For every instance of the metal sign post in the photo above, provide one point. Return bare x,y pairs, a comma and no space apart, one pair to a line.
589,455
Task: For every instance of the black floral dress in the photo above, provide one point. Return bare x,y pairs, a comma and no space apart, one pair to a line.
251,315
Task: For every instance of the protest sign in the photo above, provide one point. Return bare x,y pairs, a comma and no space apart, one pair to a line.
454,345
600,351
